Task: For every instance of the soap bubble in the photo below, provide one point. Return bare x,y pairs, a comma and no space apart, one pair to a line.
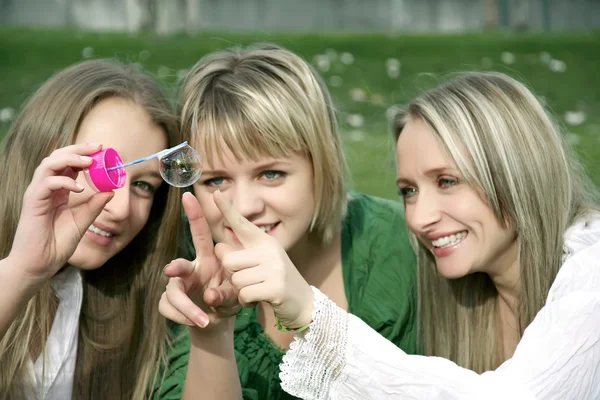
181,167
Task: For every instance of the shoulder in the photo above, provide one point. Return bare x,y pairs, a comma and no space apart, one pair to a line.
580,271
374,214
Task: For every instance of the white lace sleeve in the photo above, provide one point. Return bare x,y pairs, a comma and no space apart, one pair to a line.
316,359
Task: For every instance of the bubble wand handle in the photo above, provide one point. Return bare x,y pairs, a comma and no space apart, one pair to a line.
156,155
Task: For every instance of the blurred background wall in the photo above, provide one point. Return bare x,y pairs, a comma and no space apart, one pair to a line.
170,16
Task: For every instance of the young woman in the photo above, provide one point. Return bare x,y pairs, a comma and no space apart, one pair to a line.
265,125
507,230
80,271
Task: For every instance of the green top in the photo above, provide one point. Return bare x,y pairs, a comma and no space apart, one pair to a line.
379,270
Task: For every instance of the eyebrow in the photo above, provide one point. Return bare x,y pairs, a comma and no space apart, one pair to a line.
429,172
260,167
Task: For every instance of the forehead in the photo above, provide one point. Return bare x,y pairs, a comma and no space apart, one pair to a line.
124,126
419,149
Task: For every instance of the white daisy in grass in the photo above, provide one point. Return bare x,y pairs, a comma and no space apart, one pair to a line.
487,63
572,138
575,118
7,114
87,52
322,62
181,74
347,58
357,94
508,58
144,55
391,111
355,120
545,57
163,71
392,66
356,135
557,66
331,54
377,99
336,81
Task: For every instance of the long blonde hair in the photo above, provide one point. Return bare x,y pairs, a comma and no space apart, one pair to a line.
122,337
265,100
506,146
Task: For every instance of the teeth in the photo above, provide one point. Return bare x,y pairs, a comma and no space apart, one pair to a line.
99,231
448,241
266,228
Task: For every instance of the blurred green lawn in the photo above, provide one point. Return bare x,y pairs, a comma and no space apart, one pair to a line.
561,68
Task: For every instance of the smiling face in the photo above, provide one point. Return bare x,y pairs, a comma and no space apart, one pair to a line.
126,127
276,194
448,216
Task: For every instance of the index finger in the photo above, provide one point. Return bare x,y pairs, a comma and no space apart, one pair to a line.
201,236
248,233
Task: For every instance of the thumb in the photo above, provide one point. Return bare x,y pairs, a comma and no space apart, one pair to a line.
90,210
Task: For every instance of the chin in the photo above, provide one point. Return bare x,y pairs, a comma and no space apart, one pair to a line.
451,272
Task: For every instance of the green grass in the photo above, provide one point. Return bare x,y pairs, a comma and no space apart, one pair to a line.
28,57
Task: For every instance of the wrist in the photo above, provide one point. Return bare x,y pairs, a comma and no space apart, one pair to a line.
12,276
214,333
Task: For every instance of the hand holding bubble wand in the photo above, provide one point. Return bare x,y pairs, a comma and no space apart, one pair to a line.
179,166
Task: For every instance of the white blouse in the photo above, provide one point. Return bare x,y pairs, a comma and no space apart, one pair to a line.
53,374
558,356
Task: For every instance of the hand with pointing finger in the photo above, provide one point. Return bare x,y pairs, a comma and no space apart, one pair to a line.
262,271
187,299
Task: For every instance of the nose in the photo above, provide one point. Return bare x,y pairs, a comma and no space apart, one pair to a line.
119,206
247,200
423,212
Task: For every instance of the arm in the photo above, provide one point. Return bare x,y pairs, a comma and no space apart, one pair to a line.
212,369
556,359
14,294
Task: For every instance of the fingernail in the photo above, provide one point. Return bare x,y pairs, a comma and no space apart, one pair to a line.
78,186
94,144
202,321
86,159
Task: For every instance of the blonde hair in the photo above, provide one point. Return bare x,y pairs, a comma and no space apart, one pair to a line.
507,147
265,101
122,337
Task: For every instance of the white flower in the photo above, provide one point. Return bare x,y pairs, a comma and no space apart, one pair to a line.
487,62
144,55
355,120
331,54
356,135
572,138
508,58
347,58
557,66
391,111
357,94
163,71
393,73
392,66
575,118
87,52
545,57
7,114
336,81
322,62
181,74
377,99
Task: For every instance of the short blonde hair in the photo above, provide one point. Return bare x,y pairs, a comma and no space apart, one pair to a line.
265,101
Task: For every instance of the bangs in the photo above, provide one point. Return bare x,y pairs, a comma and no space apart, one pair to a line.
226,121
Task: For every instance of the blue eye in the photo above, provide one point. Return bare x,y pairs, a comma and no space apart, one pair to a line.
272,174
447,182
407,191
214,181
145,186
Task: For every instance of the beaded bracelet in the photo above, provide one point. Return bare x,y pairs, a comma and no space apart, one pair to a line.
282,328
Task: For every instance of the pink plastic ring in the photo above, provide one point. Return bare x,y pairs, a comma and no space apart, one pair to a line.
99,178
